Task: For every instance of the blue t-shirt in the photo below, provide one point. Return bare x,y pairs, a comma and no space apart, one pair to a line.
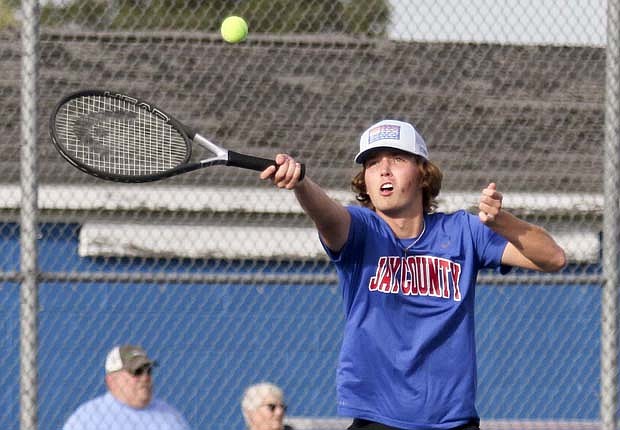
105,413
408,357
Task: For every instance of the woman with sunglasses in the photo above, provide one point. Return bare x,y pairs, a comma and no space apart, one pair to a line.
263,407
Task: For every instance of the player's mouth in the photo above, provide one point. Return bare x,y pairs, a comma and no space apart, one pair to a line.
386,189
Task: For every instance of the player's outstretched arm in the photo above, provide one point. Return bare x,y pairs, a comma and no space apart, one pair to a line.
330,217
530,246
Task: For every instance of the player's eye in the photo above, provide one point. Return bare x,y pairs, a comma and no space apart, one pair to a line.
371,162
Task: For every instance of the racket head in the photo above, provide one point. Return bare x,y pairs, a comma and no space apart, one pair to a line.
120,138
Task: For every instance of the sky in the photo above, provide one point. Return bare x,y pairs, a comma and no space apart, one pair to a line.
557,22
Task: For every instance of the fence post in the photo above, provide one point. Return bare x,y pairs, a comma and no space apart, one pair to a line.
610,225
28,219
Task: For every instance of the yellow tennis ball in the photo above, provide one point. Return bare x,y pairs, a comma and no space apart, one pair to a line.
234,29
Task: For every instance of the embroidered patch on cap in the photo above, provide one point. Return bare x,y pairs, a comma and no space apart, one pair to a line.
384,132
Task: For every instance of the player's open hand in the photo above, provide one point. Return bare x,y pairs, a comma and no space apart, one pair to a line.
285,174
490,204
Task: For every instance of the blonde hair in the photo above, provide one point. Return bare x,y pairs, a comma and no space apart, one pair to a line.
254,395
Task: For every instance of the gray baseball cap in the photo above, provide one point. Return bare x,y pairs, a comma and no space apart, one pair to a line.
127,357
393,134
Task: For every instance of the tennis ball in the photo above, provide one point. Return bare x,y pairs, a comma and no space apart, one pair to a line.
234,29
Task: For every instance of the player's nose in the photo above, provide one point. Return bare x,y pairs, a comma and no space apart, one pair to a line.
384,166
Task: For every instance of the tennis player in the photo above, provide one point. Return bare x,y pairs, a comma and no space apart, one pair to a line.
408,276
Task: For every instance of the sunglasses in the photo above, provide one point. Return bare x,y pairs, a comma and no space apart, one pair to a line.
272,406
147,369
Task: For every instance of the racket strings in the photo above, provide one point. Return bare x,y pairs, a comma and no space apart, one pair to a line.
116,136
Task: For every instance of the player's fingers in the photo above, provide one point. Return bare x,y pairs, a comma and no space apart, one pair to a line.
491,191
290,171
491,198
295,178
271,170
284,174
281,158
490,206
287,179
485,217
491,201
268,172
278,171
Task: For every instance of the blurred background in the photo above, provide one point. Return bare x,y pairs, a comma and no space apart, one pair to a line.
222,278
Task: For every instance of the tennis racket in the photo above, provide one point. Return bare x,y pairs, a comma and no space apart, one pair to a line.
121,138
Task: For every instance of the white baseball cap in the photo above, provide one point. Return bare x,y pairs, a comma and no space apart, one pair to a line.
394,134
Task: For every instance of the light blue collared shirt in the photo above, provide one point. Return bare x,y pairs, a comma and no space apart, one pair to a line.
106,412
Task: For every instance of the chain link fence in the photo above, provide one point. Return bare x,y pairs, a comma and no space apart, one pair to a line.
221,277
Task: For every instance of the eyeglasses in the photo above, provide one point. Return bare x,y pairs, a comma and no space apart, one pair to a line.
272,406
148,369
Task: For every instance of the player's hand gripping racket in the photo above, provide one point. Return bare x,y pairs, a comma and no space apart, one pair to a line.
120,138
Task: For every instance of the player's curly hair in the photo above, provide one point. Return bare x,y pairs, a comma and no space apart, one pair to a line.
431,185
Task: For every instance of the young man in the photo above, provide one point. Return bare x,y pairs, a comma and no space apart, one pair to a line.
408,277
129,402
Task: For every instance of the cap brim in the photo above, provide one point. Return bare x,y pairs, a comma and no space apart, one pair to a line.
363,155
140,362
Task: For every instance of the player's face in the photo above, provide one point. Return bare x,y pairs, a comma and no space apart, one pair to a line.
393,183
269,415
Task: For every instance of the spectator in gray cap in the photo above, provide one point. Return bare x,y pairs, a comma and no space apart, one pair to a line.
263,407
129,403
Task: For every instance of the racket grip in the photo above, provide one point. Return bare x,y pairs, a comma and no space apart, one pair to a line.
255,163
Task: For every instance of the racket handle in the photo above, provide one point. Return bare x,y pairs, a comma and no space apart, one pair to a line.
255,163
